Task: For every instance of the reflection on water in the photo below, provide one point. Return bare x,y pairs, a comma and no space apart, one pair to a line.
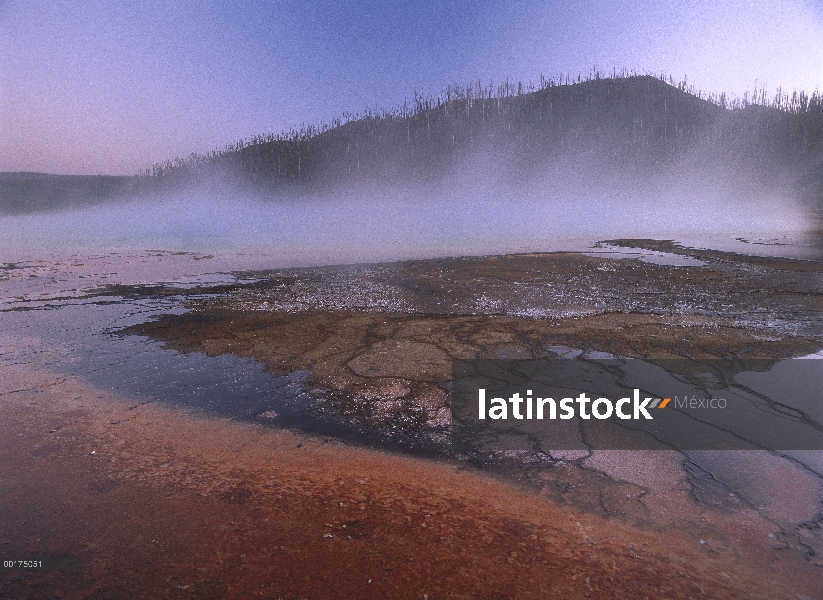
80,337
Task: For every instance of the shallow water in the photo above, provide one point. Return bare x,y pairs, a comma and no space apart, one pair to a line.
650,256
377,227
74,331
58,309
61,304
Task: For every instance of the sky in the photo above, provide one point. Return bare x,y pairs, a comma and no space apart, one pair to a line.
107,87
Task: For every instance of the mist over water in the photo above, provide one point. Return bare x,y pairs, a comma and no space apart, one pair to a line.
473,217
558,168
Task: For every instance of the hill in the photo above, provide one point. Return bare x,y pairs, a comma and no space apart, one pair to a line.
629,128
618,136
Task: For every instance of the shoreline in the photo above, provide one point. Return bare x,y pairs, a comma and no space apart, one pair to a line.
176,503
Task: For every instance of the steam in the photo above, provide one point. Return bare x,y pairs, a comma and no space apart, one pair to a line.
480,210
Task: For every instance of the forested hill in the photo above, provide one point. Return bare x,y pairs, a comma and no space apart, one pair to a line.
633,126
625,132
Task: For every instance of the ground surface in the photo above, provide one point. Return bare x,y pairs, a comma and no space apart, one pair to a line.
161,501
379,340
158,503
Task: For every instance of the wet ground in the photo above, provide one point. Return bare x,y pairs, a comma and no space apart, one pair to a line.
152,377
376,342
161,503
